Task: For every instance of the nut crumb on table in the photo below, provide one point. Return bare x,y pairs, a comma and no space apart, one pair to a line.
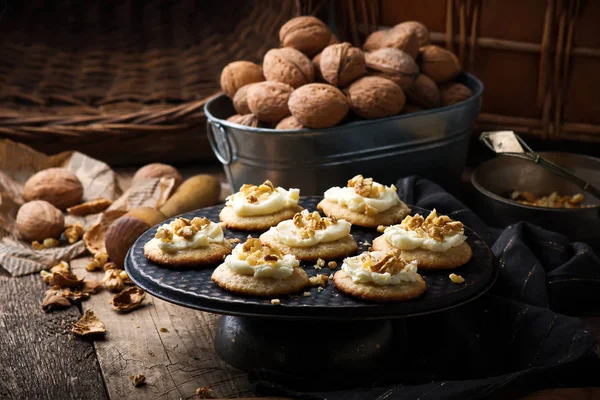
456,278
306,294
275,302
332,265
138,380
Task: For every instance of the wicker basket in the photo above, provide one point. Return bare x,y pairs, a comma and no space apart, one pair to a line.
538,59
124,81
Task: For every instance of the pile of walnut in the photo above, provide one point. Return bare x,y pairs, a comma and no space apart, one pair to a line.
313,81
41,221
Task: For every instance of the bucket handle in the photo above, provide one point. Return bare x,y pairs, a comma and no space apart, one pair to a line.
219,142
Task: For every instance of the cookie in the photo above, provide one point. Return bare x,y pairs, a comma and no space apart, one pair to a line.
391,216
200,257
328,251
430,260
231,281
257,223
379,293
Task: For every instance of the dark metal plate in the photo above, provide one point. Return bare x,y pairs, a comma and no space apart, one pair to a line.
193,287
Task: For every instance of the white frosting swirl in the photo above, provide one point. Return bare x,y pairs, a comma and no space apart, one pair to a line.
276,201
280,269
347,197
360,273
404,239
289,234
210,233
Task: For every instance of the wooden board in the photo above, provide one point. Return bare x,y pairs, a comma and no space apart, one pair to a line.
41,359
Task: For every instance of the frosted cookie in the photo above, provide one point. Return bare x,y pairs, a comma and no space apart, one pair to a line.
257,208
380,277
435,242
364,203
308,236
259,270
185,242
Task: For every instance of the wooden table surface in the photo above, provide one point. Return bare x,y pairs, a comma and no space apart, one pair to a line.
171,345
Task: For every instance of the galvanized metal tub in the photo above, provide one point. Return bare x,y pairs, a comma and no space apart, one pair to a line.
430,143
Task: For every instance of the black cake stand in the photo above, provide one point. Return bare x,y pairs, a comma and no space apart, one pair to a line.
326,330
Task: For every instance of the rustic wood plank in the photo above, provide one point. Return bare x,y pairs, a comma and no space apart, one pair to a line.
40,357
175,362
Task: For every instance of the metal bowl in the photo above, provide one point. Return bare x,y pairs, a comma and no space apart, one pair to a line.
430,143
497,178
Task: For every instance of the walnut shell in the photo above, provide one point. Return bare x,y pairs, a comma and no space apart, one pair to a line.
424,93
121,235
318,105
240,100
289,66
39,220
247,120
375,41
289,123
238,74
405,41
375,97
306,34
420,31
341,64
268,100
316,61
393,64
158,170
453,93
58,186
439,64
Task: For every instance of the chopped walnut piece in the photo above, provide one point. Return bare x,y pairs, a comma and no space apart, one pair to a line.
112,281
99,260
320,289
50,243
234,240
332,265
320,262
125,278
128,300
164,234
381,228
306,294
306,232
74,232
456,278
204,393
389,263
200,222
554,200
275,302
436,227
88,325
37,245
138,380
318,280
187,232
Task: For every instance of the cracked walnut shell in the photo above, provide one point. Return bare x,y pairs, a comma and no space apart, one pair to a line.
375,97
453,93
268,100
39,220
439,64
306,34
238,74
318,105
424,93
340,64
393,64
58,186
289,66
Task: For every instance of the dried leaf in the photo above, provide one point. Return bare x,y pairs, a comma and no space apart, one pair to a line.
54,301
128,300
91,286
65,280
88,325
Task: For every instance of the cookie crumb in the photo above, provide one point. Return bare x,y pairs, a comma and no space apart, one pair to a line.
381,228
275,302
332,265
320,262
234,240
138,380
320,289
306,294
318,280
163,330
456,278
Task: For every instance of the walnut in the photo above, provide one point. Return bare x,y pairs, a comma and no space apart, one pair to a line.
402,40
158,170
88,325
240,100
74,232
318,105
375,97
164,234
417,28
453,93
246,120
306,34
439,64
340,64
289,123
393,64
288,65
206,393
200,222
424,93
49,243
306,232
112,281
138,380
332,265
58,186
306,294
128,300
363,186
381,228
318,280
375,41
268,101
320,262
37,245
90,207
275,302
39,220
456,278
316,61
238,74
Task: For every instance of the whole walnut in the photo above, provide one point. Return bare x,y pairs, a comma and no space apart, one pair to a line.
375,41
238,74
318,105
439,64
424,93
405,41
240,100
306,34
268,100
341,64
392,64
247,120
289,66
289,123
415,27
157,170
375,97
316,60
58,186
453,93
39,220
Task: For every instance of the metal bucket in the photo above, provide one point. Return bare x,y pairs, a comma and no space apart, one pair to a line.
430,143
